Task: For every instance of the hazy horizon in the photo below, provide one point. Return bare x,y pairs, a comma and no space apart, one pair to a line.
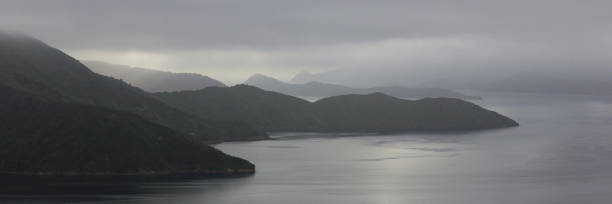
418,40
358,101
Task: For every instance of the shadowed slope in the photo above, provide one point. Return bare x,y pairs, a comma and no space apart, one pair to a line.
31,66
265,110
42,138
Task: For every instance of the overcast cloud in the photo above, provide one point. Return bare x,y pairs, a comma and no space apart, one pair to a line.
231,40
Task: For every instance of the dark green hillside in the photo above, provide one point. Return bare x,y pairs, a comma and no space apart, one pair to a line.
266,110
377,112
31,66
53,139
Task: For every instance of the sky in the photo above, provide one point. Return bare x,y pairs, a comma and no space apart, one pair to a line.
231,40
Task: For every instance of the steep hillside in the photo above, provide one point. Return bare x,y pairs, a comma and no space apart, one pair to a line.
29,65
48,139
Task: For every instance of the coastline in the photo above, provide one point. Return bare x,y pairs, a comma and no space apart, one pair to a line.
139,176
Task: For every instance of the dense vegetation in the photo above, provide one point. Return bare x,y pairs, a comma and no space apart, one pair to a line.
31,66
318,89
42,138
153,80
378,112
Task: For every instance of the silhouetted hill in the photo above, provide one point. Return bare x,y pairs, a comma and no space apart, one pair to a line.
348,113
379,112
153,80
269,111
325,90
30,66
39,138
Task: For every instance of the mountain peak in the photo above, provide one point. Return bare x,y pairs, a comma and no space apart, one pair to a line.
257,79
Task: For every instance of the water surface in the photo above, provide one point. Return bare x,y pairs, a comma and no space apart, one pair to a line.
560,154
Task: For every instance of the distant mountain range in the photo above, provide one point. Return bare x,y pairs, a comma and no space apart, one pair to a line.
377,112
60,119
153,80
319,89
591,81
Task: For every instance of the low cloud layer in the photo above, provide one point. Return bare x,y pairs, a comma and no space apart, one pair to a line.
231,40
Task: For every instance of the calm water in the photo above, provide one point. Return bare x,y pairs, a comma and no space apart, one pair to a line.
562,153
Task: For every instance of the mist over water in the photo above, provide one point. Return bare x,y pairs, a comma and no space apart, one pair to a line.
559,154
545,64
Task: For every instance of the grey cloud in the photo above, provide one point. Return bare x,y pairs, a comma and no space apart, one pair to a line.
284,37
147,24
